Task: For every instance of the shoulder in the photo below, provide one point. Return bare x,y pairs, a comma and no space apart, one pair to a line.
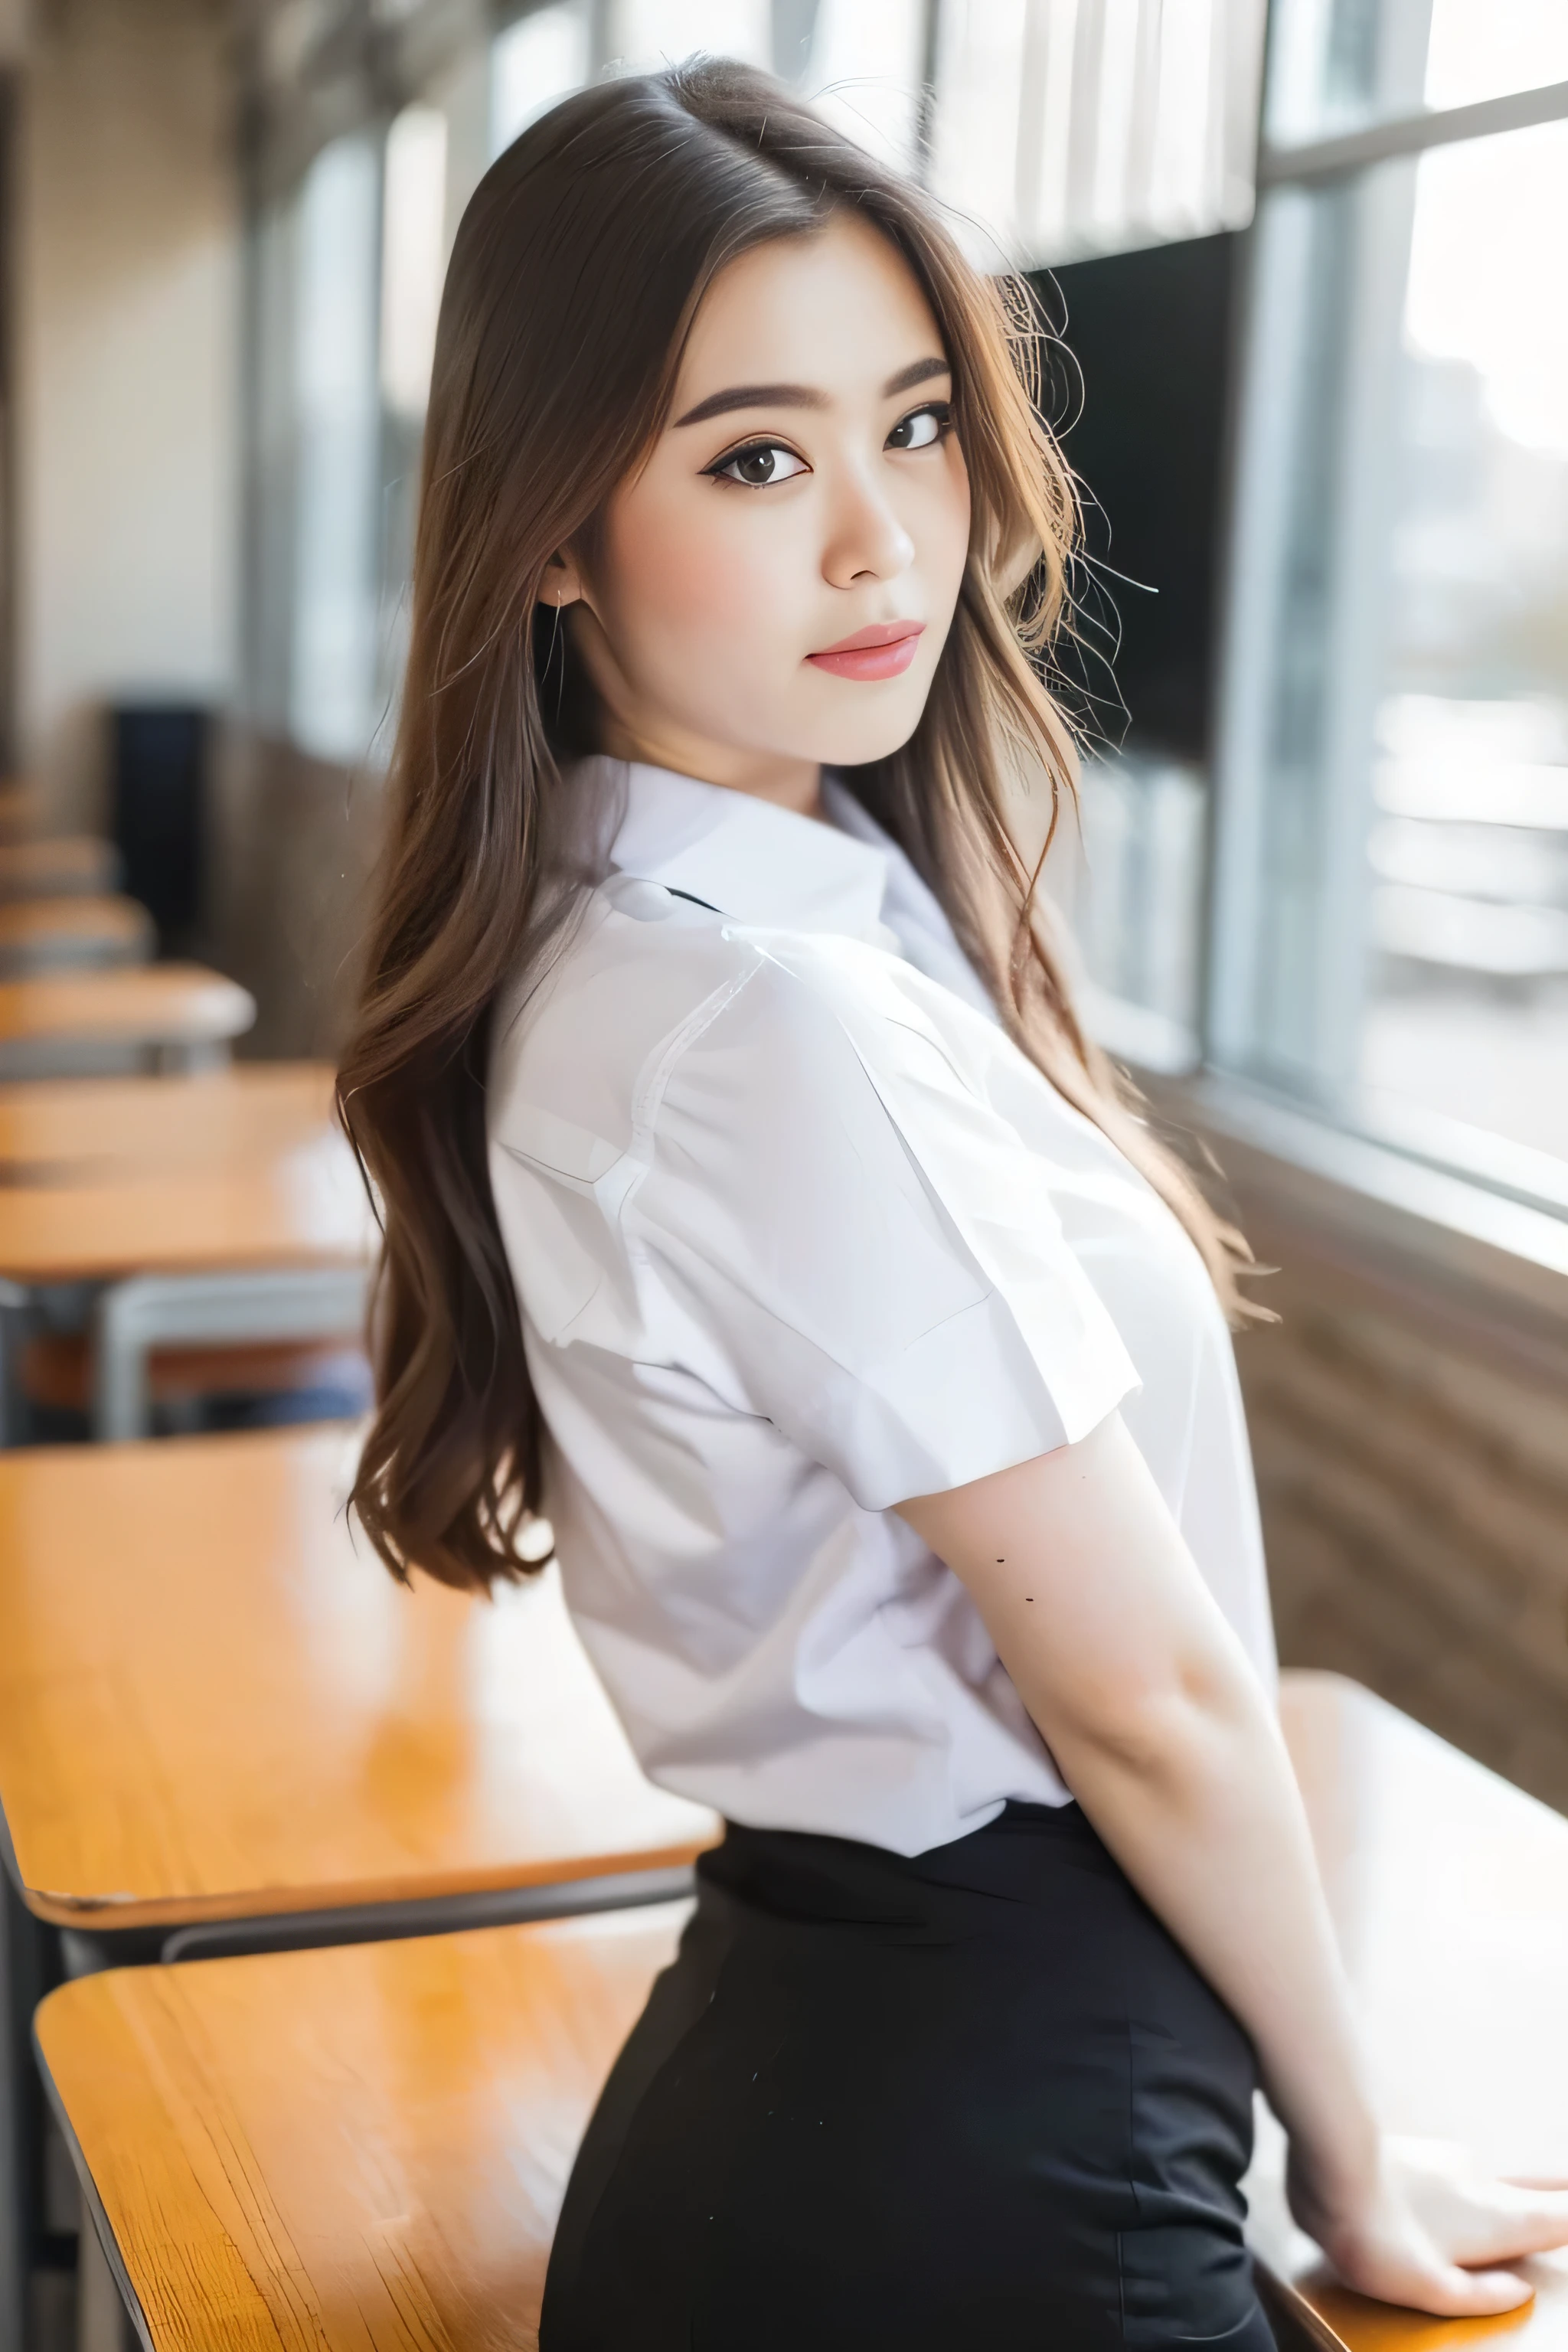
786,1110
660,1029
631,991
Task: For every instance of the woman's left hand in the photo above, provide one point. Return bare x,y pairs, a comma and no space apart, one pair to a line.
1440,2233
1475,2218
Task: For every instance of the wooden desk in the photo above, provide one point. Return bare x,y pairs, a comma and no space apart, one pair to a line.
75,1130
166,1006
75,933
366,2148
58,868
1449,1891
303,1207
360,2151
220,1234
215,1703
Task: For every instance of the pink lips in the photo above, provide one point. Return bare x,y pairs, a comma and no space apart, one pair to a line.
884,650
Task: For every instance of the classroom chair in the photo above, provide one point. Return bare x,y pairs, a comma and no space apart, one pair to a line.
240,1313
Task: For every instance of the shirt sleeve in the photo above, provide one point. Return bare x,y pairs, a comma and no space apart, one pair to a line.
847,1239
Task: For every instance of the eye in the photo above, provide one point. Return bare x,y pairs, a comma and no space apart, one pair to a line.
758,466
922,426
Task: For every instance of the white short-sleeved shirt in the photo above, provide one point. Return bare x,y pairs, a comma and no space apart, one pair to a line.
797,1233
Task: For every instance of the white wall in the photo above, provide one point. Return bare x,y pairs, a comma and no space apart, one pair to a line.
126,313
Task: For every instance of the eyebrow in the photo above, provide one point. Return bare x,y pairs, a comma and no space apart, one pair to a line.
800,395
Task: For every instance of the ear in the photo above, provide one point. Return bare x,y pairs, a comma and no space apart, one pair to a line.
562,581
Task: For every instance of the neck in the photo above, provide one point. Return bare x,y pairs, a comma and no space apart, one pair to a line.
795,784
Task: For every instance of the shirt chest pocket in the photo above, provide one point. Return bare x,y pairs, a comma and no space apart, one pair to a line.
558,1192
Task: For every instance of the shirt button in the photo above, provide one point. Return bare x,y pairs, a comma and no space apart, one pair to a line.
644,902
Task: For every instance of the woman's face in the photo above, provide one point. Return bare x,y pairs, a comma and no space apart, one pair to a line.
809,490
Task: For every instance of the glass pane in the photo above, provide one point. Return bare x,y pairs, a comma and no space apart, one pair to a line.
1071,127
647,34
1482,51
413,256
859,62
414,236
540,58
1335,64
1393,881
1128,878
274,427
337,390
1468,1015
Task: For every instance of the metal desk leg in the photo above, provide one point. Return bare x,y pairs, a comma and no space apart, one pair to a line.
27,1973
102,2321
14,1305
15,2166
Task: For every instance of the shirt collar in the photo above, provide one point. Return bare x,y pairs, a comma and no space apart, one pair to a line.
752,861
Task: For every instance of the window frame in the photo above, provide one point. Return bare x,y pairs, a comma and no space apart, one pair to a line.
1480,1214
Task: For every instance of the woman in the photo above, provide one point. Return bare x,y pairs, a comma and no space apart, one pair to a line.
755,1206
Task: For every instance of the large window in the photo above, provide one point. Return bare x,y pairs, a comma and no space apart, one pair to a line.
1051,127
1344,878
1391,909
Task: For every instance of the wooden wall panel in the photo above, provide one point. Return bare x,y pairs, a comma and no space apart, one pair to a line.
1412,1467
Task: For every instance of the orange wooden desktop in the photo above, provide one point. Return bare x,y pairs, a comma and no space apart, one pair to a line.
1449,1891
366,2148
157,1004
305,1206
244,1168
215,1703
68,1131
358,2150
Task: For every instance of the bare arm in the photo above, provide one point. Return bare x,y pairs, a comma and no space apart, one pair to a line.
1162,1731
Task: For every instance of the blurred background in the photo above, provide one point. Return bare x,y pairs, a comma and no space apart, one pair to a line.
1304,268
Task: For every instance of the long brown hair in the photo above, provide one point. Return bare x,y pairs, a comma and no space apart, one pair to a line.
577,270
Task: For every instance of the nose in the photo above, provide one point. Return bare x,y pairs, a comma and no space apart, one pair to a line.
866,538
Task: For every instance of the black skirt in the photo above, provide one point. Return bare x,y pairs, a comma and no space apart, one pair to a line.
977,2098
